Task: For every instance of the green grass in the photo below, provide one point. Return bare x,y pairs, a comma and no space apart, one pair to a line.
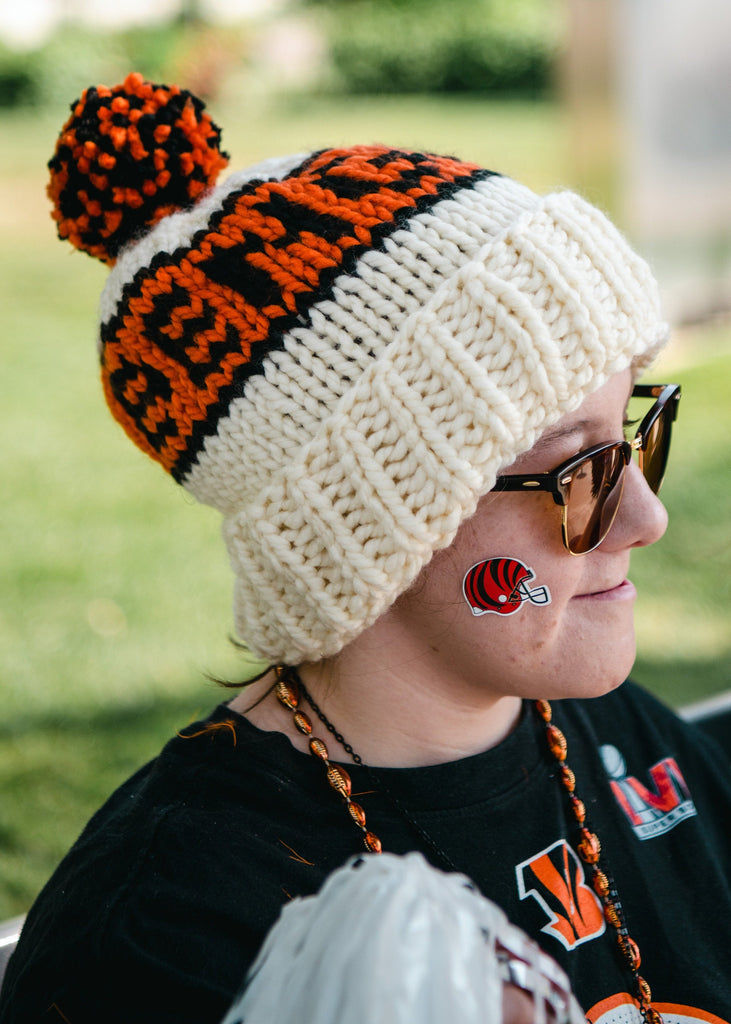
116,591
684,640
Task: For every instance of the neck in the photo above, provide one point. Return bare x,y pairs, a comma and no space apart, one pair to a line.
395,708
400,715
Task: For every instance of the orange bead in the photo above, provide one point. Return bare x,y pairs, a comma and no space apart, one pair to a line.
302,722
600,883
589,846
357,813
372,842
544,710
339,779
318,749
645,991
612,917
557,742
287,694
568,779
578,808
631,951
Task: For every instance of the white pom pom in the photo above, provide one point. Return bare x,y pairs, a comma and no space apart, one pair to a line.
391,939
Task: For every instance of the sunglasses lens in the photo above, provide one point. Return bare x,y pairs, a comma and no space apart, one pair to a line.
593,498
656,445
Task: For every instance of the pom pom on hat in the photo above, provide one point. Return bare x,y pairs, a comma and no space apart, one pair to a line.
126,158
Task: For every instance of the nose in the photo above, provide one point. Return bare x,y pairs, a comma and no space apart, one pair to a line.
641,519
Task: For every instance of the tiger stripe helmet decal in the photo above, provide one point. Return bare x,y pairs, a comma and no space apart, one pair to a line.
500,585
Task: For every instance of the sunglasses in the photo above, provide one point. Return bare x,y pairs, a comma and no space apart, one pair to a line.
589,486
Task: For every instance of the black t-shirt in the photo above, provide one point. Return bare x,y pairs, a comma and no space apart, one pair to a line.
159,908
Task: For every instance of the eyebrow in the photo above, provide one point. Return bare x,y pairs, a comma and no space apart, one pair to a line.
553,436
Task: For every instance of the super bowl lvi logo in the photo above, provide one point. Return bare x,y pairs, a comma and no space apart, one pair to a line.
651,810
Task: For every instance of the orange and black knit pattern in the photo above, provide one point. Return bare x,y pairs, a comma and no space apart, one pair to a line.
197,323
125,158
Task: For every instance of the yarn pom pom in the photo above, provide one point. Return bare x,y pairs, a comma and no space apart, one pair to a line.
126,158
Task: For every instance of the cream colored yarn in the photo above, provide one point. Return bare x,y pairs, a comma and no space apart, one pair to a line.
369,438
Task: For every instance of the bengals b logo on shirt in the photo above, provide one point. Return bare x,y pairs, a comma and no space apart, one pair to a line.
555,879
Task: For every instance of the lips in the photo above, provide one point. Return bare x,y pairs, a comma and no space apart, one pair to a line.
613,591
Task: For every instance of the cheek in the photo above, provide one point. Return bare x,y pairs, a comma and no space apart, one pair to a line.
535,625
510,539
531,628
522,526
526,576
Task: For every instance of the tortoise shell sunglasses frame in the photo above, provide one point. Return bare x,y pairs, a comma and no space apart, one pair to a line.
589,486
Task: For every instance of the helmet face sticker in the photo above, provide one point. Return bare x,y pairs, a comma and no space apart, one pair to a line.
500,585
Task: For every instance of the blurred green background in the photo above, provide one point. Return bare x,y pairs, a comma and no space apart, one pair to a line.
116,593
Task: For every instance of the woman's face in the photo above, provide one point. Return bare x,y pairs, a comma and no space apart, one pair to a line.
581,643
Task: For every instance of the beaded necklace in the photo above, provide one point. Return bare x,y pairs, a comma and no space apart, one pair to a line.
289,688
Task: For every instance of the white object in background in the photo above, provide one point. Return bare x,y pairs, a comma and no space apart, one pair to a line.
393,939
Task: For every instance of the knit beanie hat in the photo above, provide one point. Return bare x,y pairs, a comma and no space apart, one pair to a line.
339,350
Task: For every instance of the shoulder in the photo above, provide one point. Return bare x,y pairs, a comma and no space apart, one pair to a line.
636,729
205,784
170,856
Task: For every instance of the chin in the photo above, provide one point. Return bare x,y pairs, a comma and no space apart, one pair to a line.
591,676
583,689
616,667
611,659
611,675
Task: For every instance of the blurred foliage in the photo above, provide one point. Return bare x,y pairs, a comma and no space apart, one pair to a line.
490,47
18,86
506,47
76,56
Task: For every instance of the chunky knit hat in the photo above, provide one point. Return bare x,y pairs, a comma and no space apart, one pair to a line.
339,350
